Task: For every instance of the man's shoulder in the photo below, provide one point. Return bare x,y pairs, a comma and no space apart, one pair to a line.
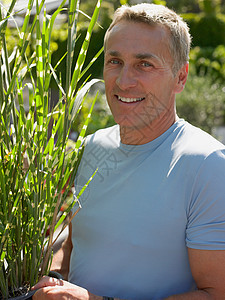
107,137
196,141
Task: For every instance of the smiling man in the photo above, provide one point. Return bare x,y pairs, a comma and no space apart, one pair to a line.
139,78
152,223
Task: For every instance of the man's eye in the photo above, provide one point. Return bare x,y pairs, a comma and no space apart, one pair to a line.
146,64
114,61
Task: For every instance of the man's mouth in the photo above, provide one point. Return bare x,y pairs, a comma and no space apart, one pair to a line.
129,100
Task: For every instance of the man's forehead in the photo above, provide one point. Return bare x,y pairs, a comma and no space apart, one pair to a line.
138,24
131,30
151,43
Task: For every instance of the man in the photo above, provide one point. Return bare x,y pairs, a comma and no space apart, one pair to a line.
152,224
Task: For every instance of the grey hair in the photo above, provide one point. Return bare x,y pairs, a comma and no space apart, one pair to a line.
152,14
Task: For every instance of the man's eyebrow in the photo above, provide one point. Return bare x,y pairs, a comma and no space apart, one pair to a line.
138,55
146,56
114,53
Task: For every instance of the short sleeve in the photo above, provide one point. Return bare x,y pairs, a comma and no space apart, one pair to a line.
206,217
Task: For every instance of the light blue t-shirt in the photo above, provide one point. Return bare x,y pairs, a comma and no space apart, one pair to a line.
144,207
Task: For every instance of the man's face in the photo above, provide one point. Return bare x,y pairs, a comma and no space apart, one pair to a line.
140,85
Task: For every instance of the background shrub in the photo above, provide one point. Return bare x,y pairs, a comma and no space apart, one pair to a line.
206,30
210,61
202,102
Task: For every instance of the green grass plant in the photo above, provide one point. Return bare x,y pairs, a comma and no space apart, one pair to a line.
35,166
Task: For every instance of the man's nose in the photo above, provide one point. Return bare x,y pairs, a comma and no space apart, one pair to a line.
126,78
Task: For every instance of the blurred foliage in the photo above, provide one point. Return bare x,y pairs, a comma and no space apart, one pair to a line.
207,30
202,102
159,2
183,6
210,6
196,6
209,61
101,116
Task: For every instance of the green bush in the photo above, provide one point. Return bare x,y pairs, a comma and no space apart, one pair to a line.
210,61
210,6
206,30
202,102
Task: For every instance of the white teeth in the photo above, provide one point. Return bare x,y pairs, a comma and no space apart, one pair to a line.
128,100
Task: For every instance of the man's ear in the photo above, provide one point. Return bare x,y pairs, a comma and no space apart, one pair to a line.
181,76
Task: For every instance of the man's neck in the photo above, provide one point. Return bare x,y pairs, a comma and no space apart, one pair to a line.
140,136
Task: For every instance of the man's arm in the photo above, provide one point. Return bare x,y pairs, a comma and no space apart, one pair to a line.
61,259
208,270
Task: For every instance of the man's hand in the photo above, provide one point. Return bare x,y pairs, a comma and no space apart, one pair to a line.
49,288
